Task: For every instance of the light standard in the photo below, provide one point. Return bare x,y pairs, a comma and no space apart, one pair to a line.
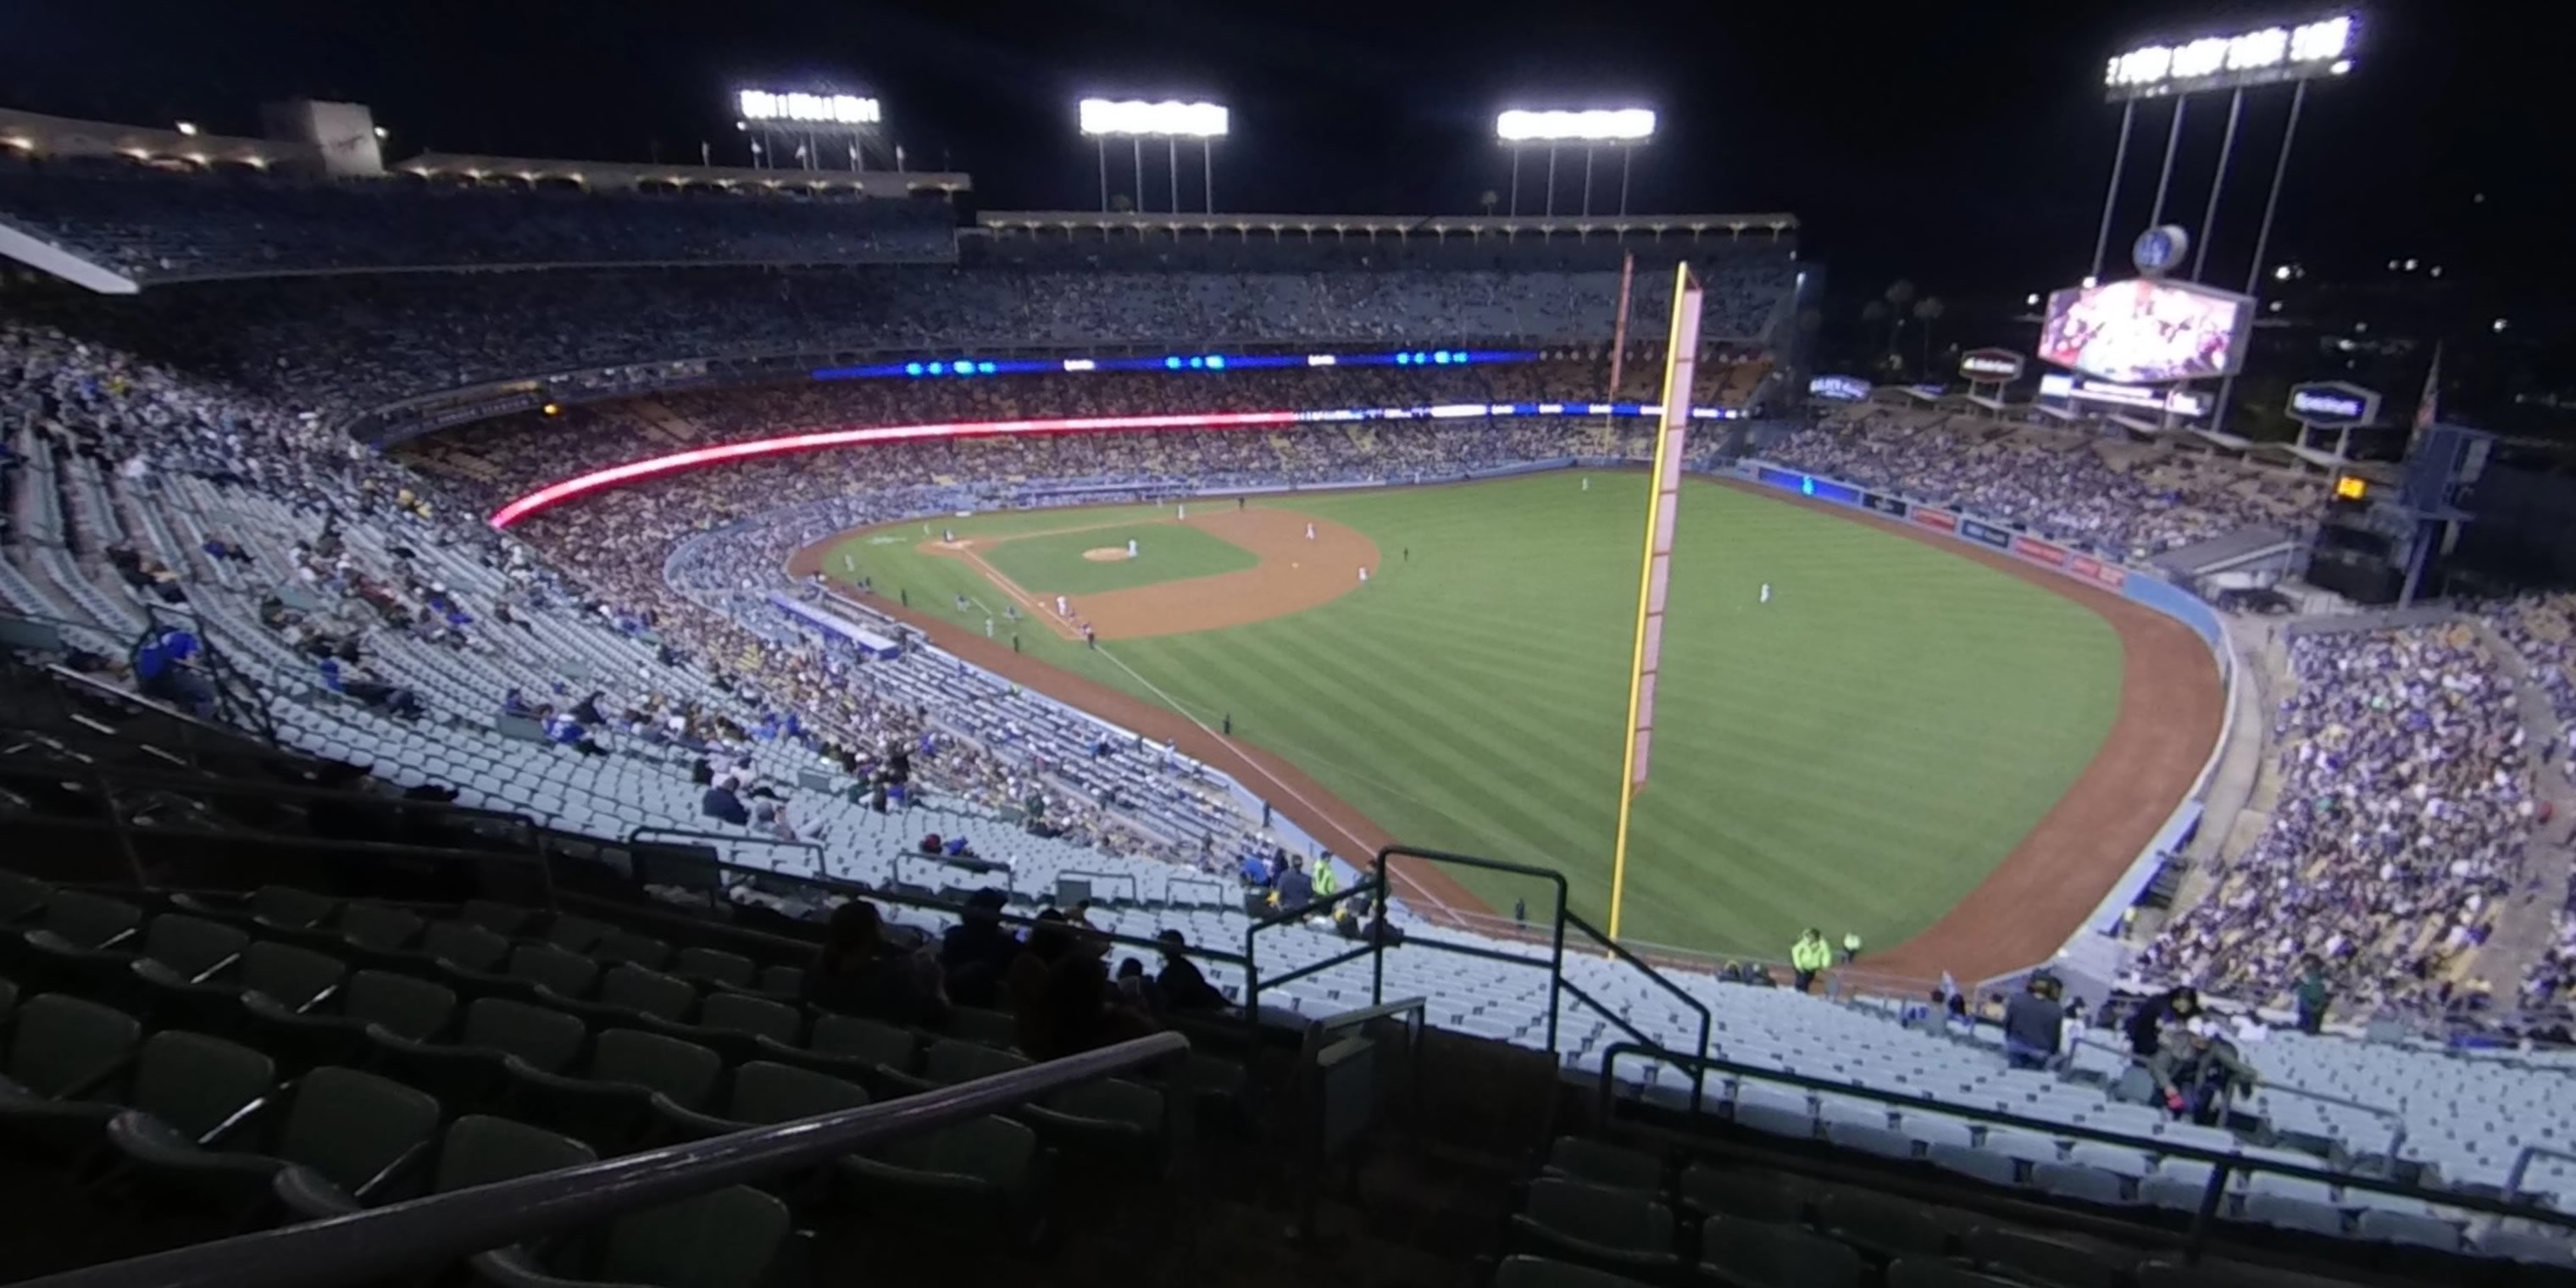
1624,128
1137,120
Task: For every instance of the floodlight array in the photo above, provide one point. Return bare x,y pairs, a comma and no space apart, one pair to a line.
1135,117
1615,125
806,109
2251,57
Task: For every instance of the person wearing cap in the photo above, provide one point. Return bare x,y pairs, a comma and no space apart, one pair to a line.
2196,1067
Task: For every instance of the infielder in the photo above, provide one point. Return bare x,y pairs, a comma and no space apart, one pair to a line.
1062,609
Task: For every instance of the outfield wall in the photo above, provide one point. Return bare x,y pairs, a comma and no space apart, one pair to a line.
2094,948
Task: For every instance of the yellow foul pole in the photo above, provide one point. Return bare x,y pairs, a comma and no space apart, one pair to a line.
1663,494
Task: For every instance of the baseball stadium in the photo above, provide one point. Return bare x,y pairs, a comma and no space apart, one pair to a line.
734,727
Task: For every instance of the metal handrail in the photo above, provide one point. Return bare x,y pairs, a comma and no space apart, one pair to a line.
1135,888
1556,919
2221,1162
1253,984
646,835
1706,1021
440,1228
2522,1163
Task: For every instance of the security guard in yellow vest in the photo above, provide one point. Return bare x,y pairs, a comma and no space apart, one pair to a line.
1809,957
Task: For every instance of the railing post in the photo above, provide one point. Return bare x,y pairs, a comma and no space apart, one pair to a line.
124,831
2210,1198
1377,935
1556,977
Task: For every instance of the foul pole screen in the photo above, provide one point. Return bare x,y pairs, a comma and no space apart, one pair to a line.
1681,352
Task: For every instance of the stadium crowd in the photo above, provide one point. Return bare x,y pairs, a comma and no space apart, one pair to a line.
2063,485
2541,630
160,225
2400,829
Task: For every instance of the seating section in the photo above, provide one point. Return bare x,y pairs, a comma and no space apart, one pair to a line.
417,1074
2067,485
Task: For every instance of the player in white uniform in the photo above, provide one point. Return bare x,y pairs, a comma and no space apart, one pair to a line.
1766,592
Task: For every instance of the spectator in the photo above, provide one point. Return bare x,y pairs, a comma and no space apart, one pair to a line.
720,803
2147,1024
978,950
858,973
163,668
1183,986
1295,889
2034,1024
2311,993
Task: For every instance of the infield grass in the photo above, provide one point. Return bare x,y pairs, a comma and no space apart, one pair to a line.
1058,563
1856,754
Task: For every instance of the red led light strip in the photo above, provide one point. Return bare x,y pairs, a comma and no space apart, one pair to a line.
555,494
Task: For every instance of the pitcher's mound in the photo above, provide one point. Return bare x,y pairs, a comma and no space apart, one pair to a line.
1106,554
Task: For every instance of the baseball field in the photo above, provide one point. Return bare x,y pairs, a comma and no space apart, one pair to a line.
1858,753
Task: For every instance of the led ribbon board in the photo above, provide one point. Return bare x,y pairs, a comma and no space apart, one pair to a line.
554,494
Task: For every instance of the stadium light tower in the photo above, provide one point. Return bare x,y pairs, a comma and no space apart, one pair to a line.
805,120
1136,121
1624,128
2235,63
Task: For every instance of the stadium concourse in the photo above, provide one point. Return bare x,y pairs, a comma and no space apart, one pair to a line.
181,457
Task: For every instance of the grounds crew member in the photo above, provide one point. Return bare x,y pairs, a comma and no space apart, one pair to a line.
1851,946
1809,957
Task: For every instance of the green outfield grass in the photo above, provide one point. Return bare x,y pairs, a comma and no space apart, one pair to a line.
1053,564
1856,754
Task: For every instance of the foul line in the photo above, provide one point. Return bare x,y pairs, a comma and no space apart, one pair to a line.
1037,608
1313,810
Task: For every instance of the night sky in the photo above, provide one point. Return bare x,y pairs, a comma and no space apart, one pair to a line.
1964,146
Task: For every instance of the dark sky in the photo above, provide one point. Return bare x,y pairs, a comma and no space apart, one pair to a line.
1964,145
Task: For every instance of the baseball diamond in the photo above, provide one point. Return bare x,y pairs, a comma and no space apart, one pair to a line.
1952,754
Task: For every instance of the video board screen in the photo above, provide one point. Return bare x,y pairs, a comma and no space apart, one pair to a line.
2143,331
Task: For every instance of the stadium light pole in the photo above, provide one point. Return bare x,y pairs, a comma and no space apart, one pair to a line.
2218,184
1623,128
805,120
1137,120
2164,171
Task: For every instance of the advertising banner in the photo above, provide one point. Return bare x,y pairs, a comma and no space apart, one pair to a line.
1942,519
1985,532
2034,549
1886,505
1990,366
2110,576
2333,403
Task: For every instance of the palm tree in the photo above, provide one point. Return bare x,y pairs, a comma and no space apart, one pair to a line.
1490,200
1900,294
1927,311
1122,203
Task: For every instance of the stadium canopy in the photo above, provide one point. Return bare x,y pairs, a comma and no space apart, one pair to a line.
626,174
1695,226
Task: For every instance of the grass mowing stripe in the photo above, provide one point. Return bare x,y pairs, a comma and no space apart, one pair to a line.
1856,754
